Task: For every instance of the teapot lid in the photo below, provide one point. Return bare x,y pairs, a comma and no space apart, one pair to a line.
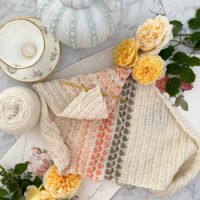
77,3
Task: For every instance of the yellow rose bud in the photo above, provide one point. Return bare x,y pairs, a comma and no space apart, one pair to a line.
148,69
61,187
32,193
126,53
154,35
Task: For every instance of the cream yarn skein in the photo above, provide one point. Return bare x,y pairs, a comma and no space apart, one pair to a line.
19,109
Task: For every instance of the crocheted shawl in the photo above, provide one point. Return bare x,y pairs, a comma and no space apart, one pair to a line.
137,140
79,141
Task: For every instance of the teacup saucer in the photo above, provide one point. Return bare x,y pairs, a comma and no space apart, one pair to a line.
45,66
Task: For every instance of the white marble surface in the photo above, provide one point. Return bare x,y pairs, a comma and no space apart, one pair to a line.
134,13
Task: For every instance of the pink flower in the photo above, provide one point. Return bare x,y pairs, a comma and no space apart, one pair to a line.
39,162
186,86
161,84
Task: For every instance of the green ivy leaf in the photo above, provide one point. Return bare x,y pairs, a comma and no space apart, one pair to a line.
194,23
3,192
37,181
173,86
193,61
177,26
173,68
180,58
180,101
166,53
187,75
198,13
195,36
20,168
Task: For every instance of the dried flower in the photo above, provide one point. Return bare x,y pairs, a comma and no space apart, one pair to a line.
161,84
186,86
39,162
126,53
154,35
148,69
61,187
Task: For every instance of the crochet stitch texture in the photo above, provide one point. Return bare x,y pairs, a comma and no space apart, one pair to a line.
79,145
143,141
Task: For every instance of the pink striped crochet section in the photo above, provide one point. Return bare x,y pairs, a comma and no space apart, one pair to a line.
80,146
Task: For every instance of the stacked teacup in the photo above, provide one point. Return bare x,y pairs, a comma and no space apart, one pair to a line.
27,48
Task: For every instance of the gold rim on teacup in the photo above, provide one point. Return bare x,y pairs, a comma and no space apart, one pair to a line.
34,47
36,21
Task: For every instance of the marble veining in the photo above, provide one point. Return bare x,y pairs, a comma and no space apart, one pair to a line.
134,13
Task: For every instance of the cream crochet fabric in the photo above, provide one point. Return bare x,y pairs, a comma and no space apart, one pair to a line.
79,145
142,142
87,105
154,148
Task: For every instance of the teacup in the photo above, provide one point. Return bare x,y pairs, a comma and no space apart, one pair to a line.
22,43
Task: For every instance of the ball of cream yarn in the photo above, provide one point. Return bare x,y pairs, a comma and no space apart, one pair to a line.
19,109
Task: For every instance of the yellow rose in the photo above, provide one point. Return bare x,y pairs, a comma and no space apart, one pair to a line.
46,195
126,53
154,35
148,69
33,193
61,187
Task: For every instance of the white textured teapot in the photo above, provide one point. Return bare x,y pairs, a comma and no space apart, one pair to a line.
80,23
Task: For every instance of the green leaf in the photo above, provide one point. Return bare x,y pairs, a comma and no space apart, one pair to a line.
194,23
173,86
180,58
188,41
3,198
177,26
16,196
173,68
180,101
166,53
187,75
198,13
24,183
37,181
3,192
184,105
197,45
12,187
195,36
193,61
20,168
